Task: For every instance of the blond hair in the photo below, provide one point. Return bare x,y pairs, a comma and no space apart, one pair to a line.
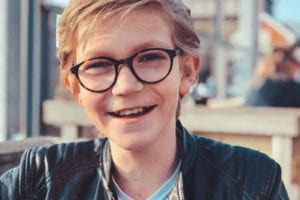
184,35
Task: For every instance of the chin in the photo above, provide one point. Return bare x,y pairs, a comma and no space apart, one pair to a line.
134,143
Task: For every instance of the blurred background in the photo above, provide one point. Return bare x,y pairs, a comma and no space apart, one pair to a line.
247,47
234,35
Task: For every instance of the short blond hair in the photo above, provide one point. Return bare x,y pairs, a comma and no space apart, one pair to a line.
184,34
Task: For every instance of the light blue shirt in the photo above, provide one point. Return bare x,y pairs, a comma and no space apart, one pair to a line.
160,194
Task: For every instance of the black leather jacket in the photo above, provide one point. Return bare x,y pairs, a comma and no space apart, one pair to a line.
210,170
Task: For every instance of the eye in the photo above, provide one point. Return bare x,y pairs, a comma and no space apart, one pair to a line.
97,64
146,57
97,67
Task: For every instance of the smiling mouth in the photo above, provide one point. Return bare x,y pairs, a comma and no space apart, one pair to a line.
131,113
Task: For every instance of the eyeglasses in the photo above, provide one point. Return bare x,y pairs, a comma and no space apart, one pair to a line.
148,66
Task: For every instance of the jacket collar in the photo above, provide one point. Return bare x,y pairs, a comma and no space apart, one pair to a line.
188,148
105,167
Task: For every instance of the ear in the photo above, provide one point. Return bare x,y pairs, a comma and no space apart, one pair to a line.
73,87
190,66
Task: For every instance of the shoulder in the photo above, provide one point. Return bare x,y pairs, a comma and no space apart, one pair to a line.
45,165
220,153
64,156
249,171
51,163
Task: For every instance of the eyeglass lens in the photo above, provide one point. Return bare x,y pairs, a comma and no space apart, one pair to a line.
148,66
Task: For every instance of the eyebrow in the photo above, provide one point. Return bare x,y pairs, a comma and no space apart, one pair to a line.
149,44
152,44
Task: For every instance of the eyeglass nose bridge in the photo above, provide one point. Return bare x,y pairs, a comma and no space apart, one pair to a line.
125,62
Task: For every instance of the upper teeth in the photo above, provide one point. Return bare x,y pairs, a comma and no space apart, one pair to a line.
131,111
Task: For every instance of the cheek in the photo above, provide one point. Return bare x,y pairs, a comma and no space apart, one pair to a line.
90,102
94,104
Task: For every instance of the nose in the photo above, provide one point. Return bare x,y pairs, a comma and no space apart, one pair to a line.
126,82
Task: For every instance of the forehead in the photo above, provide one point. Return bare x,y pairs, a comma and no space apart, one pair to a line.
138,26
114,25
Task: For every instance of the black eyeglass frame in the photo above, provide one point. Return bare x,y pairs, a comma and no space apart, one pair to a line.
128,61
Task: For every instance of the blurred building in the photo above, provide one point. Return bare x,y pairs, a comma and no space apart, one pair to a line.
233,34
274,34
28,64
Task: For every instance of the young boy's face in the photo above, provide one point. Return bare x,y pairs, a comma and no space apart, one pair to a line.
132,114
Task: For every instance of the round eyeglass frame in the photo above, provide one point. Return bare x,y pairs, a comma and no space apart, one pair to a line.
128,61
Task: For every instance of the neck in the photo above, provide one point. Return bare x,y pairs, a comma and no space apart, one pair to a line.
140,173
